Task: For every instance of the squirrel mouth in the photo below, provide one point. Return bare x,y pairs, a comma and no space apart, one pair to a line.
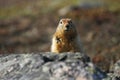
66,29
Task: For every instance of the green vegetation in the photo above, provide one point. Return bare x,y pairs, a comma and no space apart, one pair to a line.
42,6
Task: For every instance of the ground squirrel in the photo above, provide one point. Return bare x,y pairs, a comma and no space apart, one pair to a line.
66,38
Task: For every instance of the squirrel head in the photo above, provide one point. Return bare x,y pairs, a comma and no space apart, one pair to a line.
66,27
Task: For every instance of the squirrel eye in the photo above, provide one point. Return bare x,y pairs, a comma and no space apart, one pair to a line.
60,22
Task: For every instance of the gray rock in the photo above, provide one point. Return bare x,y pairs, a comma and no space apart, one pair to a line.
117,69
116,73
48,66
82,5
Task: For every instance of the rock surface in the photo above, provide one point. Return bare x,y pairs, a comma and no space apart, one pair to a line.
116,74
48,66
117,69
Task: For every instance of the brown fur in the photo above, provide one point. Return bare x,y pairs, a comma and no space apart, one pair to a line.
66,38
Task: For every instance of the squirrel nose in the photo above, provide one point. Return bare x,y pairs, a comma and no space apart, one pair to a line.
67,27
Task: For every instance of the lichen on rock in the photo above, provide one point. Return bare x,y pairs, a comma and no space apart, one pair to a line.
49,66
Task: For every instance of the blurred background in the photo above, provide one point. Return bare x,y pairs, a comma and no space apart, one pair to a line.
28,26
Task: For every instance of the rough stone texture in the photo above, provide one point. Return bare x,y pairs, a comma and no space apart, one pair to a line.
116,74
48,66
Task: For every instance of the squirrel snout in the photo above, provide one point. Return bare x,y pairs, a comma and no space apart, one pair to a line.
67,27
